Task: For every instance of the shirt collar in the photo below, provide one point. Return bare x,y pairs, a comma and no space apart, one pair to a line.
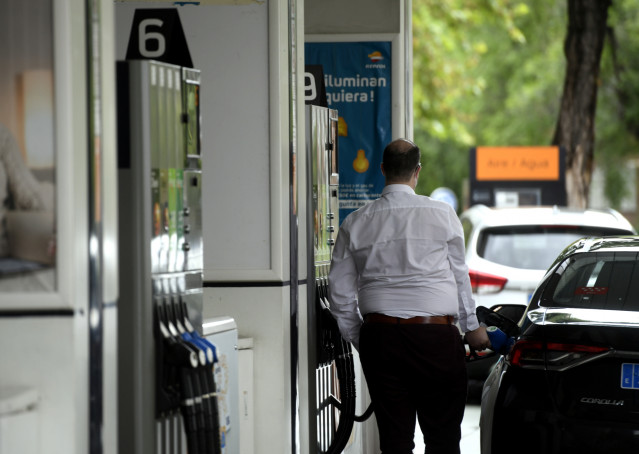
397,188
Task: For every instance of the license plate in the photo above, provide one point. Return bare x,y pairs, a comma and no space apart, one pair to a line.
630,376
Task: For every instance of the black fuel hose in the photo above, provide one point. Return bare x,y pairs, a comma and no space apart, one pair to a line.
346,378
188,410
213,420
340,351
199,412
207,379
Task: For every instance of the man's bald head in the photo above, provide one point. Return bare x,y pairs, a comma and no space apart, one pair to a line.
400,161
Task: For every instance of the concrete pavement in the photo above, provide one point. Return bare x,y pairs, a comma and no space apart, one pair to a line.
470,433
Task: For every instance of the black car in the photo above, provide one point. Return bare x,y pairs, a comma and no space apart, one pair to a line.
570,382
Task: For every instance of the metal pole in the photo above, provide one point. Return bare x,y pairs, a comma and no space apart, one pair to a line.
95,308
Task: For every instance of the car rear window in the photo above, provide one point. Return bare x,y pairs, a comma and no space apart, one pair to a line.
596,280
533,247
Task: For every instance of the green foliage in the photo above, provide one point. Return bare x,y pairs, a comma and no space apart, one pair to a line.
482,76
617,119
491,72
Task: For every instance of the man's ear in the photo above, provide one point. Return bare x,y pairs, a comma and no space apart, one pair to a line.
381,166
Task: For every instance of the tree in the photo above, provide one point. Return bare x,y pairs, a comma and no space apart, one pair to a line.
575,129
496,72
450,41
617,127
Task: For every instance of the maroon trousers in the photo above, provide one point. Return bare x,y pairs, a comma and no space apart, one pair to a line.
415,371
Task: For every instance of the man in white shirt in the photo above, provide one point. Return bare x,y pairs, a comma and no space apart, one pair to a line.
399,286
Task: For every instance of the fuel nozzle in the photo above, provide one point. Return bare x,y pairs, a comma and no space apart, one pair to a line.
499,341
501,330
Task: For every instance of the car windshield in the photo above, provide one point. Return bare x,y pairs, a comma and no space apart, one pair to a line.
533,247
596,280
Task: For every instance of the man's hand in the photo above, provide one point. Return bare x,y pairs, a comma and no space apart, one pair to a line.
478,339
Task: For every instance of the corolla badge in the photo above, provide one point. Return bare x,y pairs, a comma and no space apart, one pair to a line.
597,401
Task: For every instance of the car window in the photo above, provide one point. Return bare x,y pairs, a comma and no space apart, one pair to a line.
596,280
533,247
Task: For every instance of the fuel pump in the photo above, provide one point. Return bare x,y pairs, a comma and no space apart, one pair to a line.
167,391
330,356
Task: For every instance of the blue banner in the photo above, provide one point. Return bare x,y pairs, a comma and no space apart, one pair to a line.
357,76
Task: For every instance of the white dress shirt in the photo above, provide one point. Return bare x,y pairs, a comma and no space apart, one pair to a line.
400,255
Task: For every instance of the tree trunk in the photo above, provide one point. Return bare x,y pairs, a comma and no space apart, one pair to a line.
575,129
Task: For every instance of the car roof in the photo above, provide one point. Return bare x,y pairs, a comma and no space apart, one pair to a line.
607,244
545,215
598,244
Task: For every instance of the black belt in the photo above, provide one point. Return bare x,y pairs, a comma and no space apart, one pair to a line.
425,320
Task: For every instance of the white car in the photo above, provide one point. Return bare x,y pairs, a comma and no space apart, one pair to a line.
508,250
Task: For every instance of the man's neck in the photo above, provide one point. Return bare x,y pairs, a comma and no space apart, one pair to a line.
412,184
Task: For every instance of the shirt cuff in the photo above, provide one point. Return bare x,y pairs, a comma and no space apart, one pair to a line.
471,323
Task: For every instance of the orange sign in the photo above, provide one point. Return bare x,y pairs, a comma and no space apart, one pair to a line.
517,163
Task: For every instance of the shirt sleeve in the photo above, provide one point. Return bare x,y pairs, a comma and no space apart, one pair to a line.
343,280
457,260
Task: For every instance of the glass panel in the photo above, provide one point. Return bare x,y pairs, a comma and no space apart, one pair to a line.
27,147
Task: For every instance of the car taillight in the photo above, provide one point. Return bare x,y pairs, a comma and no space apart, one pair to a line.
486,283
527,354
555,356
564,356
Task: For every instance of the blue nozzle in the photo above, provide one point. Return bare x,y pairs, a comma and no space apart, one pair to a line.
499,342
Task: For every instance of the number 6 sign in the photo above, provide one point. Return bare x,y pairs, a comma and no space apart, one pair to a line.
157,34
146,37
